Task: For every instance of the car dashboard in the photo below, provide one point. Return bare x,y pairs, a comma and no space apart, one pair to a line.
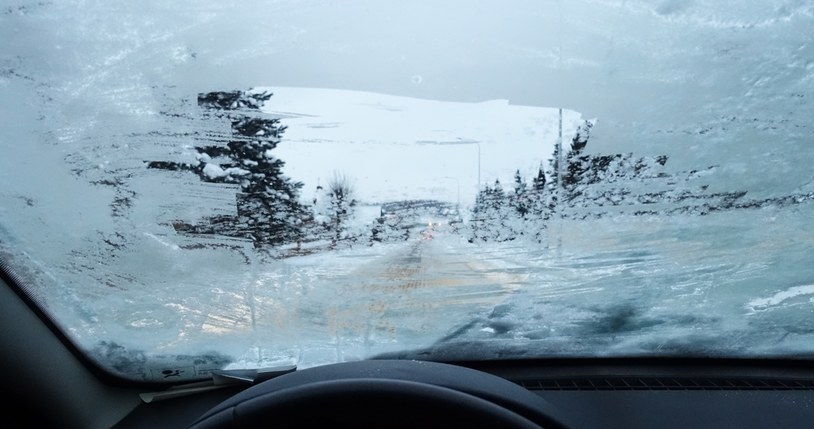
604,394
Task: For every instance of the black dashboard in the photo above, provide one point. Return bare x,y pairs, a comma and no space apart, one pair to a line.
620,393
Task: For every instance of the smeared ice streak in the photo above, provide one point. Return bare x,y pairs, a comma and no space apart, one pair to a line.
632,285
762,304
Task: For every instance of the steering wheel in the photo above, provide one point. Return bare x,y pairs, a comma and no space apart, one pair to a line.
383,393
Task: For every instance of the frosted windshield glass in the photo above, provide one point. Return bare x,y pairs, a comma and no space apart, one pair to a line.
187,186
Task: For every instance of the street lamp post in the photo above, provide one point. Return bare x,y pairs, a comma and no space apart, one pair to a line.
478,143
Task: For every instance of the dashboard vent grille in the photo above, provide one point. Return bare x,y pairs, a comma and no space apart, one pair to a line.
666,383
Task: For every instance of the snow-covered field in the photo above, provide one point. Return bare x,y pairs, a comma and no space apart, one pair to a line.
401,148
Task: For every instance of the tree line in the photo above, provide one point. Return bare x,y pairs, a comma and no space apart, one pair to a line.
598,185
269,210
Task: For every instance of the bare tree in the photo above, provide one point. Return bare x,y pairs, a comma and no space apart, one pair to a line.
341,193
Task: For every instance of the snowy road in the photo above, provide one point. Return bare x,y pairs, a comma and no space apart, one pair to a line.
408,297
609,287
417,289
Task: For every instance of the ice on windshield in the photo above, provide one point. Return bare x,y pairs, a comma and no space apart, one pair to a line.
306,182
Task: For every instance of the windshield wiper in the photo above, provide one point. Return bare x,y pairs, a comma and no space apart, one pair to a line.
220,379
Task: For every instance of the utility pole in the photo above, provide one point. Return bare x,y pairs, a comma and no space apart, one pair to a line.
477,143
559,184
559,157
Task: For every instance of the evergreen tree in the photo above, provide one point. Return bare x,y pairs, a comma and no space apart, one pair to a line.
581,137
230,101
520,201
576,164
494,218
539,209
496,196
268,207
538,183
478,223
554,172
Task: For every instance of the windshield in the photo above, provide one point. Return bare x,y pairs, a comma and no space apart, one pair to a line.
194,185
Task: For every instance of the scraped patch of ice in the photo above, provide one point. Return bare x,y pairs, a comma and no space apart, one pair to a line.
163,242
762,304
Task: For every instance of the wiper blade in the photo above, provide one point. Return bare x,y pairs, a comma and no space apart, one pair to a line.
220,379
249,376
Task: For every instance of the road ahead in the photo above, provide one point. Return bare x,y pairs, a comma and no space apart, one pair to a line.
423,288
407,297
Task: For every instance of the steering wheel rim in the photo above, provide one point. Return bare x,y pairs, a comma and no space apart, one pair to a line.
382,393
